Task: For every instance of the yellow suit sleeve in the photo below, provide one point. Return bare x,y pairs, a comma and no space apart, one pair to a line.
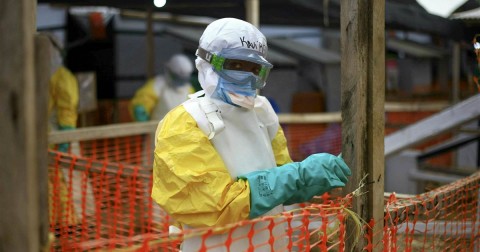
64,96
191,181
145,97
280,148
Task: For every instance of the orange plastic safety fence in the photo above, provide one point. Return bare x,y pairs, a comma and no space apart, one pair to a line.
306,139
100,200
99,205
444,219
105,205
134,150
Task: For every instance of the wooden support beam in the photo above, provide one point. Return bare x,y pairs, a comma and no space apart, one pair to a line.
43,48
305,118
100,132
456,67
428,128
362,28
19,201
139,128
150,45
252,12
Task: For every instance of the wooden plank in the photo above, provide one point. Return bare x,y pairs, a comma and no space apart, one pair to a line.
150,45
363,72
456,67
428,128
415,106
376,119
42,77
18,171
138,128
130,129
100,132
305,118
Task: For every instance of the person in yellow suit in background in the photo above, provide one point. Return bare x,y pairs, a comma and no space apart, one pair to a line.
63,94
163,92
62,111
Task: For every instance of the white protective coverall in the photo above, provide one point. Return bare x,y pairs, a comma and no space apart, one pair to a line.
163,92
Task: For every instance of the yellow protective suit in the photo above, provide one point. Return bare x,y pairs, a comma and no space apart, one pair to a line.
63,97
62,109
197,189
146,97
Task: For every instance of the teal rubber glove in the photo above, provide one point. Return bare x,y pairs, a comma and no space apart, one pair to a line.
63,147
295,182
140,113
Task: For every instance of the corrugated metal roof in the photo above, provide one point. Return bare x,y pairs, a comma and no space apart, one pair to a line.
303,51
284,51
415,49
470,14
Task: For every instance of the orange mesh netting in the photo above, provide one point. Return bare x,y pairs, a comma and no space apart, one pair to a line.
102,205
100,200
444,219
135,150
98,204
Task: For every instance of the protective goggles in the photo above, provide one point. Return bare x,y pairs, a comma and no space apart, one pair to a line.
244,60
175,79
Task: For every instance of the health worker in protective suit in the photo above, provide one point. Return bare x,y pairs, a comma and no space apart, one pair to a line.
222,157
63,113
162,93
63,94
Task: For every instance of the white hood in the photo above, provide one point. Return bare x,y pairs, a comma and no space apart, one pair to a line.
226,33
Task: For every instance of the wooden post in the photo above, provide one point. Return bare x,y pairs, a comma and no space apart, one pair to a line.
43,49
456,65
150,45
252,12
363,97
19,229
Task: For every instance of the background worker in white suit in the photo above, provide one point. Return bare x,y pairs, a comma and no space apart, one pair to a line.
223,158
163,92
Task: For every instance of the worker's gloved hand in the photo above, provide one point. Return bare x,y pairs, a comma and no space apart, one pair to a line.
63,147
295,182
140,113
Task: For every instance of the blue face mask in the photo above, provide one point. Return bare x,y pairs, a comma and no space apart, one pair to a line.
226,86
